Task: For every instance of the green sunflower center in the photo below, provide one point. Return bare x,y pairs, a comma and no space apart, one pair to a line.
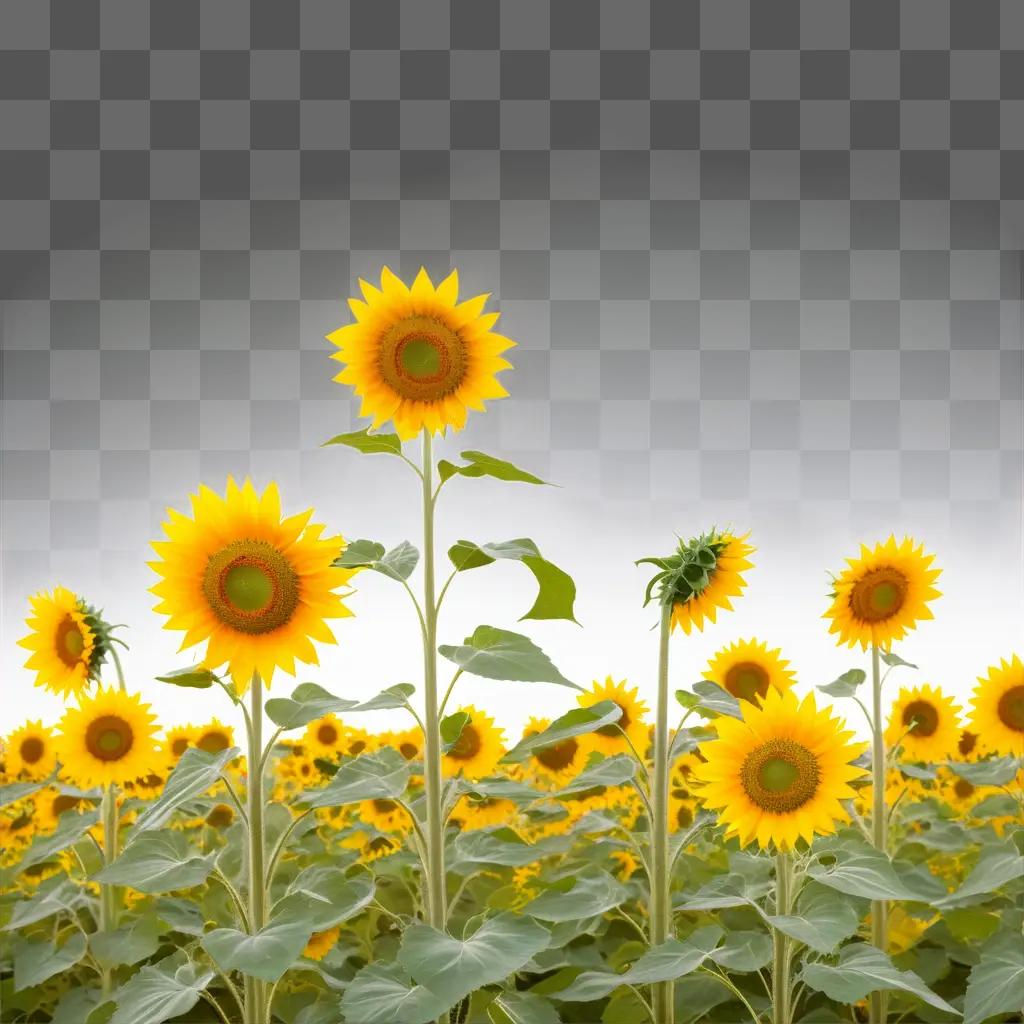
879,594
422,359
109,738
780,775
619,727
747,680
558,756
468,745
251,587
921,718
32,749
213,741
1011,708
70,642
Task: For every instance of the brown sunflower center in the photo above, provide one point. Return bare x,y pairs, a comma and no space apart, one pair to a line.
921,718
684,816
327,734
968,741
32,749
64,803
747,680
422,359
70,642
179,746
356,747
221,816
558,756
879,594
1011,708
109,738
380,844
780,775
624,722
963,789
251,586
384,806
213,741
468,745
409,751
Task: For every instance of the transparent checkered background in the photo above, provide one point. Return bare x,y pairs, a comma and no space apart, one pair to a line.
762,260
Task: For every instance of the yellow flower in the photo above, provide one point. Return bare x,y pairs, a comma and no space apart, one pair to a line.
883,594
477,750
408,742
371,848
967,746
612,739
747,669
699,595
177,740
50,803
256,587
682,798
325,736
213,737
419,357
147,787
627,864
220,816
997,715
905,929
30,751
474,813
924,723
321,943
65,651
384,815
107,740
558,762
779,774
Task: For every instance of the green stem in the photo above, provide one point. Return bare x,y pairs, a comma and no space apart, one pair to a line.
108,893
118,669
878,1006
661,896
781,983
255,989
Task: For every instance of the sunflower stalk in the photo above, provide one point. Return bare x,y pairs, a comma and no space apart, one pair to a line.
256,1008
782,987
878,1006
108,892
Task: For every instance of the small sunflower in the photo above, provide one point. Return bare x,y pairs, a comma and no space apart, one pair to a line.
371,847
30,751
256,587
905,930
629,729
220,816
477,750
321,943
626,865
213,737
51,803
107,740
780,773
883,594
325,736
925,724
419,357
408,742
997,714
474,813
558,762
177,740
384,815
748,669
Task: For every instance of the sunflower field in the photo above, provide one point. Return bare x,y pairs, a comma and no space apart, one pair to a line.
731,852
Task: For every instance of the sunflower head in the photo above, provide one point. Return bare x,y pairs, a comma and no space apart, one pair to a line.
177,740
748,670
629,729
325,737
30,752
473,812
419,357
924,722
213,737
258,588
557,762
384,815
881,595
478,749
997,715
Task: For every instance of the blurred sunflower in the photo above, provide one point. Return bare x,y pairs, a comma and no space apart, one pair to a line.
213,737
107,740
882,594
321,943
748,669
629,729
408,742
905,930
682,797
371,847
178,739
325,736
997,714
925,724
66,642
419,357
626,864
555,763
473,813
51,803
256,587
384,815
220,816
477,750
146,787
30,751
780,773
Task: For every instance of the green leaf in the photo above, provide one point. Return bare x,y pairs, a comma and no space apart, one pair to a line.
557,591
76,1005
265,955
384,994
715,701
996,771
396,696
744,951
34,962
15,791
859,870
324,897
498,654
577,897
397,564
521,1008
501,846
54,896
861,970
998,805
379,776
479,464
996,983
610,771
821,920
128,945
195,677
194,773
367,443
846,685
70,829
722,892
161,991
894,660
181,915
157,862
452,968
996,866
574,723
307,703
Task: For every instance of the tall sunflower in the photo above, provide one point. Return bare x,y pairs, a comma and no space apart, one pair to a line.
107,740
925,723
30,751
780,773
882,595
419,357
256,587
748,669
477,750
612,739
997,714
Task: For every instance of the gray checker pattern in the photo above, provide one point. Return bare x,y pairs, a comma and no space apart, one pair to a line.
762,258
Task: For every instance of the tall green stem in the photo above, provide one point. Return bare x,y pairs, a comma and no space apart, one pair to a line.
437,902
781,982
255,989
661,896
108,893
879,827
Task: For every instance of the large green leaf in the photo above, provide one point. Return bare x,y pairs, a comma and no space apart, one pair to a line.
367,443
76,1005
498,654
379,776
996,982
500,846
397,564
722,892
995,771
610,771
859,870
195,773
307,702
573,723
452,968
34,962
521,1008
863,969
53,896
384,994
161,991
267,954
480,464
744,951
127,945
556,595
822,919
324,897
997,865
157,862
846,685
577,897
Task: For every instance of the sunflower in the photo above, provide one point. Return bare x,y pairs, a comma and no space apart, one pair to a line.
882,595
477,750
371,847
905,929
408,742
997,714
178,739
960,794
325,736
419,357
630,729
747,669
558,762
148,786
30,751
107,740
50,803
626,865
778,774
257,587
321,943
213,737
220,816
384,815
474,813
967,746
924,722
66,642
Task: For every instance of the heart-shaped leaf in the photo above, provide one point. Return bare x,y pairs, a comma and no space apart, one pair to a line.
161,991
157,862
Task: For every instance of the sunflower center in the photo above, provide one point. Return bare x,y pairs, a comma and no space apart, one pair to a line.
357,747
922,718
558,756
780,775
624,722
213,742
32,749
70,642
968,741
1011,708
963,789
409,751
327,734
422,359
179,746
467,745
684,817
879,595
109,738
251,586
384,806
220,817
747,680
64,803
